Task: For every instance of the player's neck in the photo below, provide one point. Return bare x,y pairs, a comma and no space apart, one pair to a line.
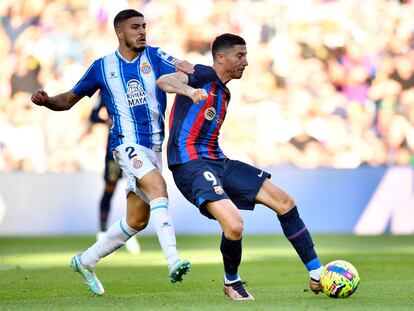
128,54
222,75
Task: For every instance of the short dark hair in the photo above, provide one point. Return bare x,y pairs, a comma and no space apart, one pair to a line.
126,14
226,41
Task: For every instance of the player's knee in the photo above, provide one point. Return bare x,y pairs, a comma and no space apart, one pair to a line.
110,187
234,230
159,189
155,189
286,203
138,221
137,224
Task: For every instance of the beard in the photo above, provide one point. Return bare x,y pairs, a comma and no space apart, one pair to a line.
129,45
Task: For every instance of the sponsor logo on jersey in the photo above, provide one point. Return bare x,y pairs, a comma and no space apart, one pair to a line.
210,113
135,94
145,68
172,59
167,57
218,190
137,163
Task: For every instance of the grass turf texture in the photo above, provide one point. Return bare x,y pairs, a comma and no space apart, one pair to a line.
34,274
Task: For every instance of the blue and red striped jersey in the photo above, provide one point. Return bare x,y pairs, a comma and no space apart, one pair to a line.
195,128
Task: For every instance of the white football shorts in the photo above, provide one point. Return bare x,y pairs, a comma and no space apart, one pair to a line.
136,161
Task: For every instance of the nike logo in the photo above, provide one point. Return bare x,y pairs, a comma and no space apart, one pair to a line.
261,174
212,94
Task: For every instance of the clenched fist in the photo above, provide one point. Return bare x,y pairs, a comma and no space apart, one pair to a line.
198,95
40,97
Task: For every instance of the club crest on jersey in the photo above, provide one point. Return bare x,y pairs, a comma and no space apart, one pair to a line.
135,94
145,68
210,113
218,190
136,163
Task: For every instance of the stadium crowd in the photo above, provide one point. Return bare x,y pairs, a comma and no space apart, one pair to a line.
330,83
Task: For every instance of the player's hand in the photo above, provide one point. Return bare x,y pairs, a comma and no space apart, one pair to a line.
315,286
184,66
198,95
40,97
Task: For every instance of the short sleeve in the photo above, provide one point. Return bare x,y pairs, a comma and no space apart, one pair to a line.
167,62
88,84
201,76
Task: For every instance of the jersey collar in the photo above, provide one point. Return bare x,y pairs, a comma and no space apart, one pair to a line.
120,57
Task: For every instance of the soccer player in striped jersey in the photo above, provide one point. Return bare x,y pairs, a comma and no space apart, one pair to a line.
217,185
127,82
112,174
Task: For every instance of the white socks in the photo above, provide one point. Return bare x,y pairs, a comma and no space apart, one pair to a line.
118,233
227,281
162,222
114,238
316,274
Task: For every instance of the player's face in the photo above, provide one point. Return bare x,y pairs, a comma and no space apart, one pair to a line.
133,33
235,61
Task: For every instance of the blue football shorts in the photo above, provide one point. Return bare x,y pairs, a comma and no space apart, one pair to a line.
205,180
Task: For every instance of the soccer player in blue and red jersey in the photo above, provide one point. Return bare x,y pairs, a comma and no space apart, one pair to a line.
217,185
127,81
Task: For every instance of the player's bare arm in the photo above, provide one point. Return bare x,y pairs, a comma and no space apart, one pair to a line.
177,83
60,102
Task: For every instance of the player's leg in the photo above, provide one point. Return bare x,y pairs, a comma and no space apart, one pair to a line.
115,237
119,232
111,175
105,205
246,185
293,228
137,218
143,167
231,222
132,245
200,182
154,187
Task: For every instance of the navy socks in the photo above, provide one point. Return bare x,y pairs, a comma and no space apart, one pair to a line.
104,209
298,235
232,253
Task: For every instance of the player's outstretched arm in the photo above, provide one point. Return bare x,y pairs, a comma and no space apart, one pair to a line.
59,102
177,83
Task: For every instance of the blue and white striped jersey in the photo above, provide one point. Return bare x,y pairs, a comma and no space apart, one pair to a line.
128,89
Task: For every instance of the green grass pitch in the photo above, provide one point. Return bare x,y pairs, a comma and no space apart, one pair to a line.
35,275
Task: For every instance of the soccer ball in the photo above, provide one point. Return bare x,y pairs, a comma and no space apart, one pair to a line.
339,279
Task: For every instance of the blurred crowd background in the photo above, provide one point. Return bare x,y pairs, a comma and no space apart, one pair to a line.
330,83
